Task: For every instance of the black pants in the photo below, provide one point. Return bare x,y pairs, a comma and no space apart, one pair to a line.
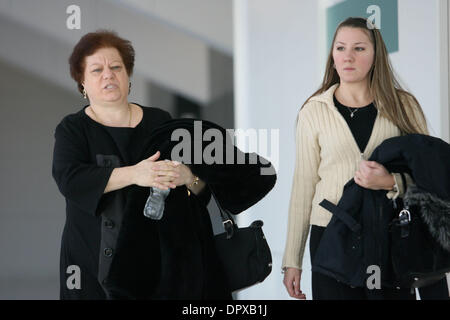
327,288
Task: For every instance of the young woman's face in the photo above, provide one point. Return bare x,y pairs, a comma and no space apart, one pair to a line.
353,54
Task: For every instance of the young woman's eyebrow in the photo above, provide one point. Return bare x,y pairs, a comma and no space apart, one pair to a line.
354,43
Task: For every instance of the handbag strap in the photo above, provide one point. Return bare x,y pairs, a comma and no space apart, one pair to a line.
341,214
227,219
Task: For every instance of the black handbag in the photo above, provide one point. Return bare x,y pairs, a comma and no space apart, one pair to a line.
417,259
244,252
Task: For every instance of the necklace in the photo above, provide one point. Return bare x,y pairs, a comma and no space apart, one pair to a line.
96,118
352,113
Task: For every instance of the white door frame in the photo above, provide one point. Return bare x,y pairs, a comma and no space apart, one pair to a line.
444,41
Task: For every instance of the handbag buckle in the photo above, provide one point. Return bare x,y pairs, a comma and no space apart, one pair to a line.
228,226
404,217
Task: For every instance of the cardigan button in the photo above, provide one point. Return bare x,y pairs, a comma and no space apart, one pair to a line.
109,224
108,252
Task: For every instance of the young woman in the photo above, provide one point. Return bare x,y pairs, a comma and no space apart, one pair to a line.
358,105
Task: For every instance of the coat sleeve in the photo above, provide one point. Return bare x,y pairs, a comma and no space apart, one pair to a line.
205,195
303,189
80,181
402,181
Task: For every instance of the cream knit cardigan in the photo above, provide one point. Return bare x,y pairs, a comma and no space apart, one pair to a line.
327,157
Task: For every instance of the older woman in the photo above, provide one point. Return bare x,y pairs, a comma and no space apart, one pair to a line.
97,168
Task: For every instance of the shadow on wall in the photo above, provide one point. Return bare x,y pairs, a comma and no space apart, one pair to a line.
32,208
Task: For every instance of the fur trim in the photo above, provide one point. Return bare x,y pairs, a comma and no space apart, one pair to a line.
435,213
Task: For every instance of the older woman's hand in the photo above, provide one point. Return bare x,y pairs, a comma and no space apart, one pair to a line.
372,175
152,173
183,175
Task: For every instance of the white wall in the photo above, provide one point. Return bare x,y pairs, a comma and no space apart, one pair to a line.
208,20
417,63
275,71
37,38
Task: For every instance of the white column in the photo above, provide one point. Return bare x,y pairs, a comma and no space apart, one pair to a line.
275,70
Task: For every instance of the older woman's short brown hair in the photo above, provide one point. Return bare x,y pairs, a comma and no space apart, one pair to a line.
93,41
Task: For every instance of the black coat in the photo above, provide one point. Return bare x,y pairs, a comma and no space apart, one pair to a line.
361,232
188,267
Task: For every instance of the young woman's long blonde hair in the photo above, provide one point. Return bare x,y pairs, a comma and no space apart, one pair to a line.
383,85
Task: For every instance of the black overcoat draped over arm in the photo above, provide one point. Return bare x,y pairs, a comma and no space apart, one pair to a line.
190,268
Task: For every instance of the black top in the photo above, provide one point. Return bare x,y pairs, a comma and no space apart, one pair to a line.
122,137
85,154
361,124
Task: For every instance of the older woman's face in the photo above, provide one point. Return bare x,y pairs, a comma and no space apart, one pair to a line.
353,54
105,77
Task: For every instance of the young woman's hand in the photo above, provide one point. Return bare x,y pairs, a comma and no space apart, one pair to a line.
374,176
292,277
